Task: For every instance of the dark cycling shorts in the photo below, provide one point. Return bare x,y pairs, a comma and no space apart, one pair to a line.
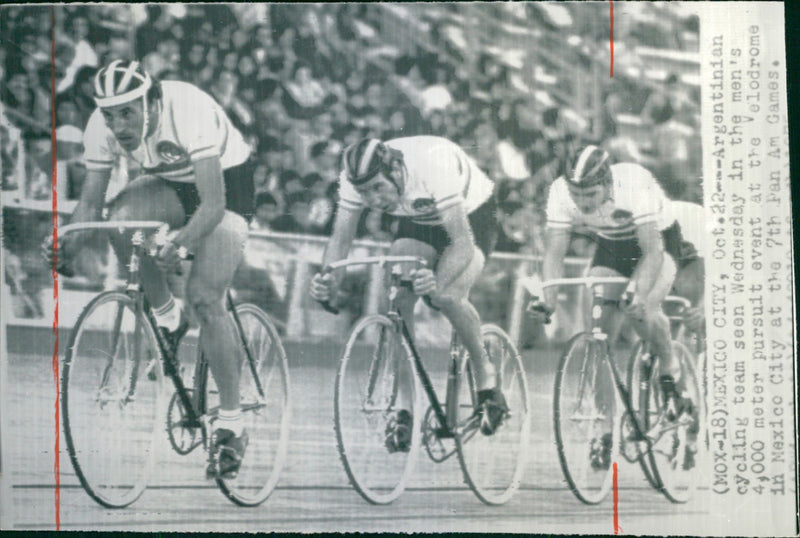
239,191
483,222
623,256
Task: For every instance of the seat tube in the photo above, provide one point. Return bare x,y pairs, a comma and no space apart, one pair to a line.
451,396
597,312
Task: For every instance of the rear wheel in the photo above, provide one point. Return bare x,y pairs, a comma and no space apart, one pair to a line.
374,382
585,418
678,447
264,396
108,403
493,465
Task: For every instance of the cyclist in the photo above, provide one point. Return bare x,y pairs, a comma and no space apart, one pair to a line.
622,205
196,176
446,211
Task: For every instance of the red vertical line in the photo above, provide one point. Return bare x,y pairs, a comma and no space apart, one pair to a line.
53,149
611,36
615,488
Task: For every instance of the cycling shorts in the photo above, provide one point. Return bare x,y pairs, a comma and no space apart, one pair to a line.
623,256
482,221
239,191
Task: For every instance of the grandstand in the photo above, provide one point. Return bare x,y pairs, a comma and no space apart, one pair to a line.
512,83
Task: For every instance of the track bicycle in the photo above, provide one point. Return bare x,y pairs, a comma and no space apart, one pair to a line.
597,416
114,394
380,366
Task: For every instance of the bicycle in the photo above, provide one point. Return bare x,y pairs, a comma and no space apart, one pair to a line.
113,391
378,358
597,416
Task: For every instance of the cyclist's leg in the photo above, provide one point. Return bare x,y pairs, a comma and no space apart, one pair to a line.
690,284
147,198
654,325
453,301
215,263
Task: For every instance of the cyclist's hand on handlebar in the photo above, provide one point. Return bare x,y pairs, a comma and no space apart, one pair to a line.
323,287
169,257
64,257
540,311
424,281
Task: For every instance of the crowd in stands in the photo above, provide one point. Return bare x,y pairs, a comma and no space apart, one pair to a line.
302,81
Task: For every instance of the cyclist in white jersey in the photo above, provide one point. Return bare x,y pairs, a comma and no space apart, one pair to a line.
447,216
622,206
196,176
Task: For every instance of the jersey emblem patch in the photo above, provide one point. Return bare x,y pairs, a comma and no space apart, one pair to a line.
170,152
621,216
424,205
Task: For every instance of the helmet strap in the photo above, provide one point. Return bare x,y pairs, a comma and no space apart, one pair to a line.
146,121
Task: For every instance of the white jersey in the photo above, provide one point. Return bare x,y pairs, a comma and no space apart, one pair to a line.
691,218
439,176
191,126
636,199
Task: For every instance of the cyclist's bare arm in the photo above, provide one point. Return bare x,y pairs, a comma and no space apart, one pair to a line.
457,256
211,188
649,267
556,245
344,231
93,194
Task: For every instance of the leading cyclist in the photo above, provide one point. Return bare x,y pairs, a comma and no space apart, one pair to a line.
196,176
447,216
621,205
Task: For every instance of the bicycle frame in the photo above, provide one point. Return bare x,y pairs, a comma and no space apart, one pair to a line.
598,302
446,416
195,410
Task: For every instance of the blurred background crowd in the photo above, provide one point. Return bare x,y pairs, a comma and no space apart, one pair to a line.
516,85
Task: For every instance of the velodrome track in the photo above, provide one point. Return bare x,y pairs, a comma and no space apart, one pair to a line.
313,493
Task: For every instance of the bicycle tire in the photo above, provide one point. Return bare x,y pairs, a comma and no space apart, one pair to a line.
585,464
669,456
366,400
113,459
493,465
266,412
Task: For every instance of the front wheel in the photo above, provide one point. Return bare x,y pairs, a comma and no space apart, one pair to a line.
493,465
108,403
374,384
585,418
264,396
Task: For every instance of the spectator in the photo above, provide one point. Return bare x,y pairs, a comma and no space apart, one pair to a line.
296,218
85,55
303,96
70,171
224,89
267,212
321,208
